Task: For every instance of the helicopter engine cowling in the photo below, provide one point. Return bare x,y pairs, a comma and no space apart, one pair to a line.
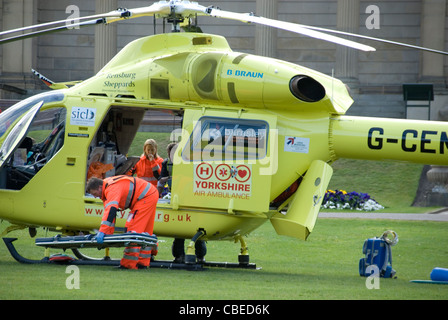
248,80
201,68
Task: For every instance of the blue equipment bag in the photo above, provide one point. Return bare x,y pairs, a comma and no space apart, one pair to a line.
378,252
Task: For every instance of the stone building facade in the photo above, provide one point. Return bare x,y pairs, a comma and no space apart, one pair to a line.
376,78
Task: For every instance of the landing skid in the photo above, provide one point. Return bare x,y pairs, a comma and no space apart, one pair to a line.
82,259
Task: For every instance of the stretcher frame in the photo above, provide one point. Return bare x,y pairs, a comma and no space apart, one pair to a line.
90,241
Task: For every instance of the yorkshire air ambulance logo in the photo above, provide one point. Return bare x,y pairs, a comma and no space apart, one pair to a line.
223,180
83,116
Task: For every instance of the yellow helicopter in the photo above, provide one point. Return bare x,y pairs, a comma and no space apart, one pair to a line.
256,136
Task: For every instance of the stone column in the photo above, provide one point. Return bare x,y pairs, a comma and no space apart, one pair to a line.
433,36
346,68
17,57
105,35
266,37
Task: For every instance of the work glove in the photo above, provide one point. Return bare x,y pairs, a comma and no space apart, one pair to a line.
100,237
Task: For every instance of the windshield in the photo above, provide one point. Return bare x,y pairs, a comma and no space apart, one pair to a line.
10,115
17,134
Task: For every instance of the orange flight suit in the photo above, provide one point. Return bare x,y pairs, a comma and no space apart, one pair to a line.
121,193
149,170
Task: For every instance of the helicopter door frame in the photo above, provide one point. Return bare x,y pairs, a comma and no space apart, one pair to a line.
225,160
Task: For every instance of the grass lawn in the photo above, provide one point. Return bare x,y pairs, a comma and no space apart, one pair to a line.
323,267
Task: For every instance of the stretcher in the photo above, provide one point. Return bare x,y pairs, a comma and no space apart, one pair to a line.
89,241
75,243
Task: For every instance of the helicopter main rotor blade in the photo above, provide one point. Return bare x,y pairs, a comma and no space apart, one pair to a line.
112,16
320,33
287,26
299,28
179,9
68,22
51,30
375,39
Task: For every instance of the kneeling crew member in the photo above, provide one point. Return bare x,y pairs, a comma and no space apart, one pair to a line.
123,192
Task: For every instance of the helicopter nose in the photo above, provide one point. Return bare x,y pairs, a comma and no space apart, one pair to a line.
306,88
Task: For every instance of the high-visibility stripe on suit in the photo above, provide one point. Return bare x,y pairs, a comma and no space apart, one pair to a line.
140,196
149,170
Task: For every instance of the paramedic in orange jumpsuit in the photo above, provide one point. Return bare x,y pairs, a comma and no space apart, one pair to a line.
120,193
149,166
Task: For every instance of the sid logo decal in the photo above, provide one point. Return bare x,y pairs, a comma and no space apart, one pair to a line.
83,116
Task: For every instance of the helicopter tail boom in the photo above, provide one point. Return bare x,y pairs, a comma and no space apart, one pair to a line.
415,141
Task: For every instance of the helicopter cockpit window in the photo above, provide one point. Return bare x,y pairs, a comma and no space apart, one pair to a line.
10,115
44,138
227,139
